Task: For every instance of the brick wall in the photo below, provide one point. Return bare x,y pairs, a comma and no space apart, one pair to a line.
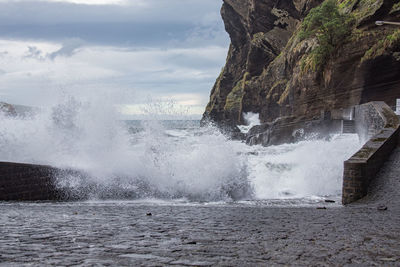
363,166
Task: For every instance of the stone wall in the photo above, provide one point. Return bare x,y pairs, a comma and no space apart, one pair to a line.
361,168
27,182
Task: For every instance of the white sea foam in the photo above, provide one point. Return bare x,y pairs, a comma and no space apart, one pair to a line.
304,169
198,164
251,119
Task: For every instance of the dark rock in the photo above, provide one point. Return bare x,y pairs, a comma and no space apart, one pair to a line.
329,201
149,214
290,130
321,208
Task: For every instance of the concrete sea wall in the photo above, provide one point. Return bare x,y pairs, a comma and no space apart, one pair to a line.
379,125
27,182
32,182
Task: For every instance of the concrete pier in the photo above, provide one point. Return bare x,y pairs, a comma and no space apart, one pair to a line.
378,124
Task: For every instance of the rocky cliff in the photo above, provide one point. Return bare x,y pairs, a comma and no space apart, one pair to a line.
298,60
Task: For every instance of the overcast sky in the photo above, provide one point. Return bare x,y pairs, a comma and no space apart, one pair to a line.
128,51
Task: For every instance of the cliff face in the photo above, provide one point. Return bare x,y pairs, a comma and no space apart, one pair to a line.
279,68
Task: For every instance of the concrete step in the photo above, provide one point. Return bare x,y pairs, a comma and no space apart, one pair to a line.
348,126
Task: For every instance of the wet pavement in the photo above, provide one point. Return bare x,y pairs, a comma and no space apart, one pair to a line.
125,234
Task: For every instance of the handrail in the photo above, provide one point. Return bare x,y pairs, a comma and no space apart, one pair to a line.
381,23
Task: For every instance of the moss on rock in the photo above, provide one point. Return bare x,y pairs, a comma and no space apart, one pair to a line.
395,8
367,8
382,46
234,98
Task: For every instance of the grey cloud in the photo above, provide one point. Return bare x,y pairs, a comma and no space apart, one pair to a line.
102,33
42,13
213,35
68,49
159,23
193,61
34,52
160,26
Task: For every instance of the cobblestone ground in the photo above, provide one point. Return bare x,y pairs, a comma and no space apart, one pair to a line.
121,234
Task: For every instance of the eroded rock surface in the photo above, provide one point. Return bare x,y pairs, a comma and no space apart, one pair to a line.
265,70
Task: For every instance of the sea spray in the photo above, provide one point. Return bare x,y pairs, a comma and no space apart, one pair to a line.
251,119
88,137
312,168
200,166
196,164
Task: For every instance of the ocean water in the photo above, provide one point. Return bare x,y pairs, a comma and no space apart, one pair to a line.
173,162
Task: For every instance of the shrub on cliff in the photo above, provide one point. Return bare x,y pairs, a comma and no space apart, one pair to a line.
330,27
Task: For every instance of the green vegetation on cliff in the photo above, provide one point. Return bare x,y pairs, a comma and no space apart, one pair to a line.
361,9
395,8
234,98
383,45
330,27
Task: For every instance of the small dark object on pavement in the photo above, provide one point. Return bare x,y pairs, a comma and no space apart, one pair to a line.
321,208
148,214
329,201
382,207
